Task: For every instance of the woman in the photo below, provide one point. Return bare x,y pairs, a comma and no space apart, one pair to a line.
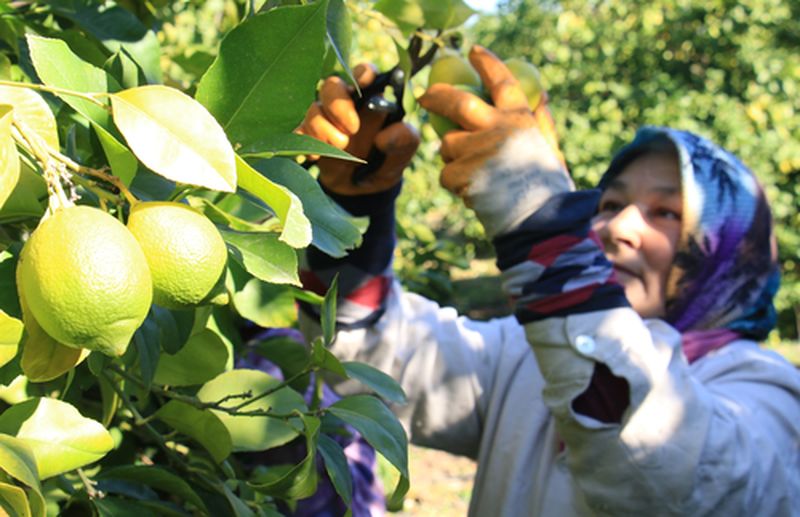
643,302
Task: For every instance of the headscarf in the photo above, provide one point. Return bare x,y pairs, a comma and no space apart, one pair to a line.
725,273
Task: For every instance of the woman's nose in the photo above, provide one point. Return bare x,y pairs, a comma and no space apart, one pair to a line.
626,226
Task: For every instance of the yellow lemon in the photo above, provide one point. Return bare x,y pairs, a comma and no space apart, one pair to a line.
85,280
185,251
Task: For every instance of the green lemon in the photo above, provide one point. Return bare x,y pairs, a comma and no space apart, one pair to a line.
85,280
453,69
529,78
185,252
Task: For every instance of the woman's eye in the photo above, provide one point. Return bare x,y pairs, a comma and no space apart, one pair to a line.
610,206
666,213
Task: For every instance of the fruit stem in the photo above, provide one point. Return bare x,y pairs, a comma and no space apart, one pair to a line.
59,91
89,485
35,145
97,173
90,185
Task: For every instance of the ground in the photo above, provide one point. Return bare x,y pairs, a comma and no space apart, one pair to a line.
441,484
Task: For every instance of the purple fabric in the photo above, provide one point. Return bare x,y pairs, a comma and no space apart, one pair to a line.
725,273
368,497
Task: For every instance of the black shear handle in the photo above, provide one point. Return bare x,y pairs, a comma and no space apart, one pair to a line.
372,99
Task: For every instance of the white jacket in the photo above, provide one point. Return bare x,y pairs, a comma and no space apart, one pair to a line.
718,437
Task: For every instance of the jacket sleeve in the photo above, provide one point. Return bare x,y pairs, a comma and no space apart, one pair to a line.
719,436
446,364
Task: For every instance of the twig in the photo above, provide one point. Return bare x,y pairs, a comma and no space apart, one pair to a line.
145,423
58,91
89,485
97,173
272,390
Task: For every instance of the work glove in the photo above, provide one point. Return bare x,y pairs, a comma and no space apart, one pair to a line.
505,162
333,119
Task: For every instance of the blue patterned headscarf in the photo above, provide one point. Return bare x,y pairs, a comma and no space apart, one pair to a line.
725,273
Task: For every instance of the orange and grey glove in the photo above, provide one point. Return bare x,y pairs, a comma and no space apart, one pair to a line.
334,120
505,162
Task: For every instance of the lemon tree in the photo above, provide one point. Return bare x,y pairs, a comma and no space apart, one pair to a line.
152,210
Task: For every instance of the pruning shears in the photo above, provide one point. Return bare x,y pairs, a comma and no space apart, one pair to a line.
372,99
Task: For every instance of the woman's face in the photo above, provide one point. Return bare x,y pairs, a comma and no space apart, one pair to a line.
639,223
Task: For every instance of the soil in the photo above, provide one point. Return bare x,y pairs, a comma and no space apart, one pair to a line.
441,484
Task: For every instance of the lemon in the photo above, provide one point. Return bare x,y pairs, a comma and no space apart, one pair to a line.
185,251
529,79
85,280
453,69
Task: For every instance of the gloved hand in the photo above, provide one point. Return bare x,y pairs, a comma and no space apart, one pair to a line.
334,120
505,163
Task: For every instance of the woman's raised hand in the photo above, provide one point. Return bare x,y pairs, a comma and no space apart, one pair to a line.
333,119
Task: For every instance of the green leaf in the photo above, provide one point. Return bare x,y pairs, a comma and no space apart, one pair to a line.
379,427
300,481
14,501
324,359
124,69
175,136
202,358
9,300
108,395
201,425
37,503
157,478
18,461
254,433
44,358
220,217
122,161
384,385
286,205
266,305
10,336
340,35
237,506
57,66
445,14
31,110
117,28
147,345
61,439
334,230
263,256
328,312
9,157
266,73
336,466
406,14
110,506
27,199
291,144
289,355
